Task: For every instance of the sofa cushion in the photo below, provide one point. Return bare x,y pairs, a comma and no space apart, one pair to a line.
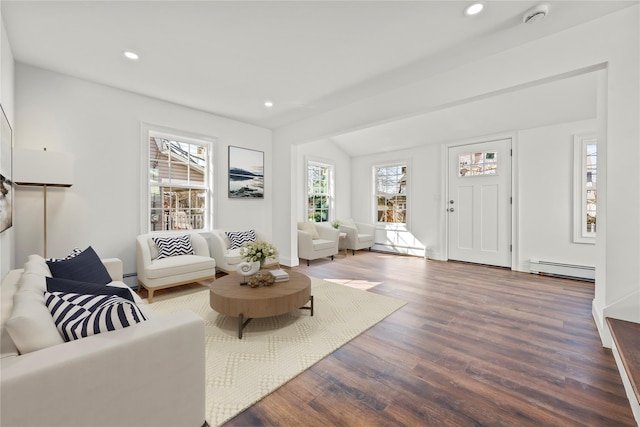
86,267
72,286
170,246
320,244
30,326
239,238
364,237
180,264
78,316
309,227
233,256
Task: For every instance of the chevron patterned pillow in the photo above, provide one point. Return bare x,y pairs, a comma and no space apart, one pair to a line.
74,253
239,238
78,316
173,246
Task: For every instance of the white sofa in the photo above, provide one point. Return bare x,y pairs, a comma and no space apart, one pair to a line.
359,235
149,374
159,273
317,240
227,259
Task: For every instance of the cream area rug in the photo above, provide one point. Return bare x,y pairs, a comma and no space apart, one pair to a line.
274,350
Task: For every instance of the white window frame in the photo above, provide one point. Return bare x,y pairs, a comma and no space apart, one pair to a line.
331,186
580,232
391,225
148,131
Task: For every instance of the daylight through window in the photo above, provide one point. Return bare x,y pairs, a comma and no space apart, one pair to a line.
585,188
590,177
178,187
391,193
319,195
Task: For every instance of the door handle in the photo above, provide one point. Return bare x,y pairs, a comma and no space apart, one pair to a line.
450,210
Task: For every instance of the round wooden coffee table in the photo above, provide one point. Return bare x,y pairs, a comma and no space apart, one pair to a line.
230,298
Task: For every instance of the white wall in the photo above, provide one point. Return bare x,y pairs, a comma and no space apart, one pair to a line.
424,199
7,238
325,151
612,40
545,195
101,127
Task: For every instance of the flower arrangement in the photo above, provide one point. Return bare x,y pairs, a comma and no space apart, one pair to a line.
258,251
335,224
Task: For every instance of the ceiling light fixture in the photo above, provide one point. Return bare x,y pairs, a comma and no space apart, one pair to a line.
268,104
130,55
474,8
535,14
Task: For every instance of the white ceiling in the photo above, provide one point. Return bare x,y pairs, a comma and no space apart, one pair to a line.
572,99
308,57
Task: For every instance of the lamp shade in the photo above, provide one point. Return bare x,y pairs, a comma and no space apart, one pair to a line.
41,167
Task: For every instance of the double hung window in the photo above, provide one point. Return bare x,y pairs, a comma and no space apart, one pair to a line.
179,183
391,193
319,192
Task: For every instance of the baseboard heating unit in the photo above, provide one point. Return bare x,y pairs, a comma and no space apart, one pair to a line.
580,272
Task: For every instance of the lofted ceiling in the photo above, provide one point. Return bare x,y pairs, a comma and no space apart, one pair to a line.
308,57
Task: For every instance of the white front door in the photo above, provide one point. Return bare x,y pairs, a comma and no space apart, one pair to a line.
479,203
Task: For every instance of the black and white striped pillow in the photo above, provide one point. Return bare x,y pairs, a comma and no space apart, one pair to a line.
78,316
239,238
173,246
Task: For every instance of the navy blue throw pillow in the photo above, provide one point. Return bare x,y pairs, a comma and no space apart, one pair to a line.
72,286
85,267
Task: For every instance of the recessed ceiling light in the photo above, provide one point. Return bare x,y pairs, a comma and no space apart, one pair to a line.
474,8
268,104
130,55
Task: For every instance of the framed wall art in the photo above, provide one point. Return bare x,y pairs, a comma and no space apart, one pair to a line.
246,173
6,187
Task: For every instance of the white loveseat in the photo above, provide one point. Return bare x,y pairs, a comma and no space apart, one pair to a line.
227,259
149,374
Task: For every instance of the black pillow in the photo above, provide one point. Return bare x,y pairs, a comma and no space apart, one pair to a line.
85,267
72,286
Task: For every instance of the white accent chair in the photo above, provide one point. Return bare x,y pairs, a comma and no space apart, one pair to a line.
227,259
317,241
154,273
359,235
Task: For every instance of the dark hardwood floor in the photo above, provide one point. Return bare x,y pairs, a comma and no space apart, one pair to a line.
474,346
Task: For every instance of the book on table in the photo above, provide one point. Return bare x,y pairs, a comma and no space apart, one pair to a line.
280,275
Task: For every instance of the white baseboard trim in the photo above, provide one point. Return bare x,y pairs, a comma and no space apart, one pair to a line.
402,250
603,330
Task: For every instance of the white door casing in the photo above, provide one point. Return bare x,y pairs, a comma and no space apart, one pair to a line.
479,203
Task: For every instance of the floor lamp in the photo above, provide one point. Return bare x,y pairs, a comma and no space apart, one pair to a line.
35,168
